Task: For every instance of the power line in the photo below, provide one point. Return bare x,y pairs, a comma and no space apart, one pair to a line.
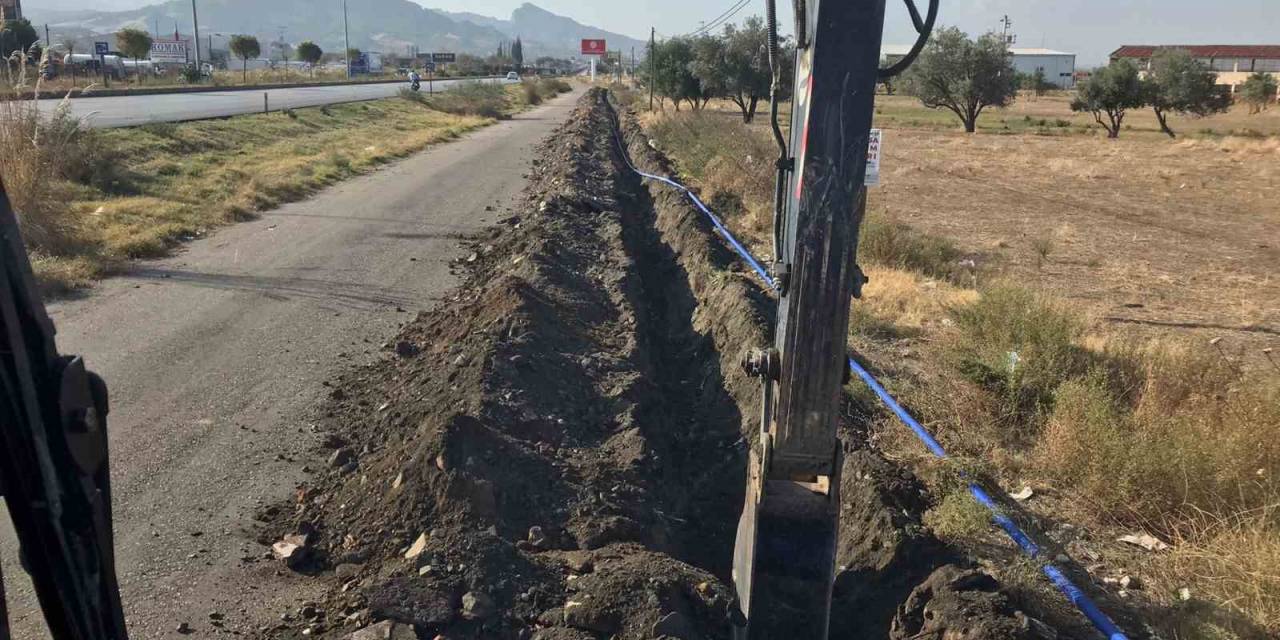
722,18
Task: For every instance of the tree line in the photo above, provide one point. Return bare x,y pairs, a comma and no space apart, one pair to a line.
734,65
966,76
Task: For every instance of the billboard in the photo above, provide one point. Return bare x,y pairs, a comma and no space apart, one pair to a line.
444,57
591,47
169,51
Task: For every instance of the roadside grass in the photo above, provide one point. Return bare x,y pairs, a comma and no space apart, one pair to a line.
1136,433
112,195
231,77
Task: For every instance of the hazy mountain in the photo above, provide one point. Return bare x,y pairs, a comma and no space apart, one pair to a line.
390,26
542,31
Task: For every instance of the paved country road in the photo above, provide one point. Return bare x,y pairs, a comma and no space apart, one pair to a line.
216,357
128,111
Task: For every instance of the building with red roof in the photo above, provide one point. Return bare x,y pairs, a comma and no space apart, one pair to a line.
1233,63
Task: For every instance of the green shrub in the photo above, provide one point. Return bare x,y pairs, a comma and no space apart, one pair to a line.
553,86
530,91
471,99
893,244
1021,346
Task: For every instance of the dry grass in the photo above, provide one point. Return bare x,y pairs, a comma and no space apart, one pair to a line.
732,164
221,78
171,182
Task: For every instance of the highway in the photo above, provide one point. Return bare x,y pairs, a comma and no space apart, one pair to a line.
129,111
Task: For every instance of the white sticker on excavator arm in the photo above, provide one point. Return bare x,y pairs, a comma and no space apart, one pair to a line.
873,158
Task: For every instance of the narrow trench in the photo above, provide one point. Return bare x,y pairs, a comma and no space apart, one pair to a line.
694,425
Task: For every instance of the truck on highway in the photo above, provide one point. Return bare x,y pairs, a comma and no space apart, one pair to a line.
113,66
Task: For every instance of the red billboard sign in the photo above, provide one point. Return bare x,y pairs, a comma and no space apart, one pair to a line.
593,47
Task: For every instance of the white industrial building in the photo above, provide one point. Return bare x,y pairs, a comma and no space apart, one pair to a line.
1059,66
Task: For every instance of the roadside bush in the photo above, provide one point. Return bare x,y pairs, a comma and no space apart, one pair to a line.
531,91
725,156
471,99
892,244
34,154
1021,346
553,86
1168,435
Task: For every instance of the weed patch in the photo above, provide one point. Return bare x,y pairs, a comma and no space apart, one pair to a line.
91,198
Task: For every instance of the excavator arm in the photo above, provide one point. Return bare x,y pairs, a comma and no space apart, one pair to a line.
784,560
54,475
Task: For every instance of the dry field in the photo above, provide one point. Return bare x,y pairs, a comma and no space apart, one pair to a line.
1176,237
1083,316
1173,236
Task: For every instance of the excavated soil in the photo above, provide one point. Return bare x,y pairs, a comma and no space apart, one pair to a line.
559,451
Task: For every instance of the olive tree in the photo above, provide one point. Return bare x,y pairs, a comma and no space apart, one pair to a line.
245,47
1111,91
1259,91
963,75
1178,83
310,53
749,78
136,44
673,75
17,36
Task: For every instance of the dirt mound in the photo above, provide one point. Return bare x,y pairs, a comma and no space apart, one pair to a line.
559,451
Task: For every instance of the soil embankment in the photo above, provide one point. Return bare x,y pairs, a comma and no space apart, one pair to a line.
559,451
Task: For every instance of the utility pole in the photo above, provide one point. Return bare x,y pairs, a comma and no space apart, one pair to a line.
195,26
653,50
1008,24
346,38
47,42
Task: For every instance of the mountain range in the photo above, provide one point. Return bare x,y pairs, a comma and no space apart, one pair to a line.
389,26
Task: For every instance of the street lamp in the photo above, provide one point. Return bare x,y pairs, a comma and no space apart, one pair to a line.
195,26
346,38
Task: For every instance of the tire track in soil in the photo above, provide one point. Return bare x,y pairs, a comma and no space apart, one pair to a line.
558,452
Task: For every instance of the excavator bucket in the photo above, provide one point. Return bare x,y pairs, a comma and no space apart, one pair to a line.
784,561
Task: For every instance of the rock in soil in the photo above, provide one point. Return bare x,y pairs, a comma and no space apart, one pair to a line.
959,604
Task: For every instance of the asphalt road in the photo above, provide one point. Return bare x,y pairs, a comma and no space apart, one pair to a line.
216,358
128,111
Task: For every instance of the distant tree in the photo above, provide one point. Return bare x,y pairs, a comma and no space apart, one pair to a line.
469,65
17,35
673,77
1112,90
517,53
1178,83
962,75
136,44
710,66
245,47
747,57
354,53
1037,82
310,53
1259,91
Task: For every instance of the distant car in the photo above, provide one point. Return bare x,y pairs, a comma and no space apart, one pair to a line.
511,75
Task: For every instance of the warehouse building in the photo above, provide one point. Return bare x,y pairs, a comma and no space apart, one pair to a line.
1059,67
1233,63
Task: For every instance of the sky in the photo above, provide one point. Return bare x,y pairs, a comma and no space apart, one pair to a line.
1089,28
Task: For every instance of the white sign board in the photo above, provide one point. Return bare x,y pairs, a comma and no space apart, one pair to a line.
174,51
873,158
